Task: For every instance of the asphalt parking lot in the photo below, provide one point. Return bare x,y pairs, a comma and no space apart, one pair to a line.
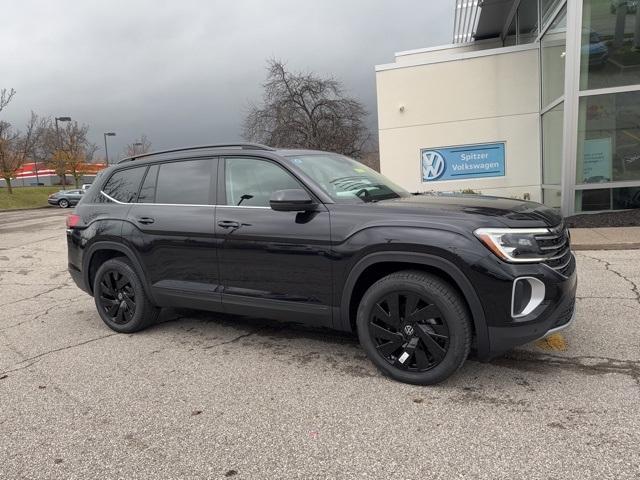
202,395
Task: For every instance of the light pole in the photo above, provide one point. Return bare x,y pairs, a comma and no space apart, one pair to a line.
106,152
61,119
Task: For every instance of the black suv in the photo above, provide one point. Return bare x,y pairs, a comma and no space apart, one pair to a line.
318,238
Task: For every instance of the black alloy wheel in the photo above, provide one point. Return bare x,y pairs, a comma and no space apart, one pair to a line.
117,297
409,331
120,297
415,327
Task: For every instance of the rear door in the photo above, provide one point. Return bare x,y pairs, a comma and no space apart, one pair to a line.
172,229
273,264
74,196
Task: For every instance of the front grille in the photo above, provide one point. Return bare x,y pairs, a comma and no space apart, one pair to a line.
556,245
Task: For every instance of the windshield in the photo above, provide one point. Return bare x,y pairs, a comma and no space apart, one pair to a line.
345,179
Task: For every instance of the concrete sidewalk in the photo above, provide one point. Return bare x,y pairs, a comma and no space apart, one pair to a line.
612,238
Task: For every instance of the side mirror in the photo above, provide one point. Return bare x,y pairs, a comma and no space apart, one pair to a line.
296,200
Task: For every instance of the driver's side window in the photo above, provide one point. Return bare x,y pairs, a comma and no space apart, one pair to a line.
249,182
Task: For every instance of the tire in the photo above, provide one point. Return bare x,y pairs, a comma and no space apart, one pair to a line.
120,298
427,339
63,203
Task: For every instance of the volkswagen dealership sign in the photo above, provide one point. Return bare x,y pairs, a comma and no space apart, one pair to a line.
463,161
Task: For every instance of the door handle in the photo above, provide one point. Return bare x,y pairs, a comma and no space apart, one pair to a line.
228,224
145,220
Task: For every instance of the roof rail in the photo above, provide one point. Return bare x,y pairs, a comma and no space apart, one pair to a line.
241,146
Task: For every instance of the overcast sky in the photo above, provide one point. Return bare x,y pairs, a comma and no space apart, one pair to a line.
184,71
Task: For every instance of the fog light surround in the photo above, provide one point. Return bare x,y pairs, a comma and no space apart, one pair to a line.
526,295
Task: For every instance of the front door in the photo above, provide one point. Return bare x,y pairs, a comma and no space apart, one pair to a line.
272,264
172,230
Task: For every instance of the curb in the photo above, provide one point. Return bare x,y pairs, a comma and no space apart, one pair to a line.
24,209
605,246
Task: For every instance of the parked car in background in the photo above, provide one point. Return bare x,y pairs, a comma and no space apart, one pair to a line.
65,198
597,50
315,237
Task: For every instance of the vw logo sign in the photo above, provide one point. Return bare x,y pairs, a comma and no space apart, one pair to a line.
433,165
408,330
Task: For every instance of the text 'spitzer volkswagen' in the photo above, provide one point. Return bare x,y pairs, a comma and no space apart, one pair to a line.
316,237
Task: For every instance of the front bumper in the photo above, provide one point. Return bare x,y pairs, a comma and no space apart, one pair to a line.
555,313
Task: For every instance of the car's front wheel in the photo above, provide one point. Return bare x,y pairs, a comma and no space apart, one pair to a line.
120,297
63,203
414,327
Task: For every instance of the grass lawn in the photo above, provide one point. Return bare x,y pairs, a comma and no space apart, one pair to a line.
25,197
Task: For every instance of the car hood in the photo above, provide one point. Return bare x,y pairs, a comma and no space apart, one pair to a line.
486,210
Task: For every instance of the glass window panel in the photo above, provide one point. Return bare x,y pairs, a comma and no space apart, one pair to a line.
184,182
553,52
552,122
511,38
610,53
609,138
124,184
250,182
593,200
527,21
551,197
547,7
148,190
623,198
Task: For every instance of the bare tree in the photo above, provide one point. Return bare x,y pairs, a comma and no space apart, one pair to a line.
303,110
10,161
68,151
16,147
138,146
5,97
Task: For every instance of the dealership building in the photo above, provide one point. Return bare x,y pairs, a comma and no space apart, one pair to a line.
534,99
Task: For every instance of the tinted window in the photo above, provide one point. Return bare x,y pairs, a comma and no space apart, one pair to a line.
148,190
124,184
345,179
184,182
250,182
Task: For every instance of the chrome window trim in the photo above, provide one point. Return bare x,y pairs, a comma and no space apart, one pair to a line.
157,204
176,204
241,206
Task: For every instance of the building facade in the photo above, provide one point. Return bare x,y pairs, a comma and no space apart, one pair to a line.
34,174
535,99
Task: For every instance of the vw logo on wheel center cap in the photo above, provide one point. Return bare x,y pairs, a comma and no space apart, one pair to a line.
408,330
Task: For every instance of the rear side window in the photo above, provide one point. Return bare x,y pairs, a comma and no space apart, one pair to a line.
124,184
148,190
186,182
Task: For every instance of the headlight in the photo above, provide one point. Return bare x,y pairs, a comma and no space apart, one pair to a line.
513,244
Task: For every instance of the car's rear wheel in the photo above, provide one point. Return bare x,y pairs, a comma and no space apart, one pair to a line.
63,203
120,297
414,327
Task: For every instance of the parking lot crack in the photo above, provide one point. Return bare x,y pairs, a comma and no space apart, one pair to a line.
29,361
608,266
53,289
587,364
233,340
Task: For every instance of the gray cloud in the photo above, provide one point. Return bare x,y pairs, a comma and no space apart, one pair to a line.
183,72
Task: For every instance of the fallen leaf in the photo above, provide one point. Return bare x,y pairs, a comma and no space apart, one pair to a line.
555,342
